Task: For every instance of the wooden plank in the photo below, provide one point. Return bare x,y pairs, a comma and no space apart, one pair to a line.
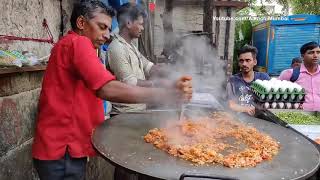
11,70
235,4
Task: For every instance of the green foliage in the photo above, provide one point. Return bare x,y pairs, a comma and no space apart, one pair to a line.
297,6
305,7
243,34
299,118
262,9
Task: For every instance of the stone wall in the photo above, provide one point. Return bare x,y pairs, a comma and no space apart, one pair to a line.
23,18
18,107
19,91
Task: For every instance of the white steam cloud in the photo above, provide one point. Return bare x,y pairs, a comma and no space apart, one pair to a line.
198,58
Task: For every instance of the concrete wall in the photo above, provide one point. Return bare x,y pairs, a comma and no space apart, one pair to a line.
188,18
19,92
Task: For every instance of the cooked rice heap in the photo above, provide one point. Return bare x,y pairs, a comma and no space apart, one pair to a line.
215,139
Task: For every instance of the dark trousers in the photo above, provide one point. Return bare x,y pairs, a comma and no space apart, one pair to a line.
66,168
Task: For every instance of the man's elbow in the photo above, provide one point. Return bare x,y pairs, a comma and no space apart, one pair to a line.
107,92
102,93
231,105
116,91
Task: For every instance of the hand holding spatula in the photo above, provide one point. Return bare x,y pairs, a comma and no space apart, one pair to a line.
184,86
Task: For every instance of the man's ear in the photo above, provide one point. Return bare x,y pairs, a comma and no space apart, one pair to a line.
255,61
81,20
129,24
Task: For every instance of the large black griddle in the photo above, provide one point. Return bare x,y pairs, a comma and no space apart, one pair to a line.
120,140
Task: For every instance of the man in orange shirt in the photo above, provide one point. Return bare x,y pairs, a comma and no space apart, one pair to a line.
74,84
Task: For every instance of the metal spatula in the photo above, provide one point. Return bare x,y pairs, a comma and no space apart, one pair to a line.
182,110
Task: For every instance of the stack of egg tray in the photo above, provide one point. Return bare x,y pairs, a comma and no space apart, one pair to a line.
261,95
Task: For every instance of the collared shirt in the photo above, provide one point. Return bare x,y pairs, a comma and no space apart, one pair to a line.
239,90
311,84
128,65
68,107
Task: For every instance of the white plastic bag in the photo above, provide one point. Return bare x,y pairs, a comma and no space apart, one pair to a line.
7,59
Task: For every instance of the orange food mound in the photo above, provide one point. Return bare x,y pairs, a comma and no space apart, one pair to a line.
215,139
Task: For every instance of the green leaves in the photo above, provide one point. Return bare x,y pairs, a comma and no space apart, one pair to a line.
297,6
305,7
299,118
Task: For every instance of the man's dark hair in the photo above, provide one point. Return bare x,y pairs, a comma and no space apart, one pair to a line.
308,46
87,8
296,59
247,48
129,11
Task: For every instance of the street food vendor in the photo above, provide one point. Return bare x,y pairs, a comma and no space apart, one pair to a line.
126,62
74,84
240,98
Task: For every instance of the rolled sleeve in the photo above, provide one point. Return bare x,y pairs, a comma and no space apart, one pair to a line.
147,69
132,80
88,65
120,66
147,65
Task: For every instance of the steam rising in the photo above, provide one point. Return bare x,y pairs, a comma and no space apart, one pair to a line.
195,56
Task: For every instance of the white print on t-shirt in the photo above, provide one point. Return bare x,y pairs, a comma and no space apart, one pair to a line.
245,97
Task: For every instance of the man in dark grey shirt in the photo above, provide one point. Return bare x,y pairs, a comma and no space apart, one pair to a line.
240,97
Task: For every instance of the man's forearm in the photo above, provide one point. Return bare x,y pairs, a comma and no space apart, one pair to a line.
163,83
116,91
145,83
236,107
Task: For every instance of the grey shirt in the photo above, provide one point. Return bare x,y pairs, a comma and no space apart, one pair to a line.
128,65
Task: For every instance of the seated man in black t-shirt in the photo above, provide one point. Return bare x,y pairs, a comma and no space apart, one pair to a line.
240,98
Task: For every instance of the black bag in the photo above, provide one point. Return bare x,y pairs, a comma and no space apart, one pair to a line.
295,74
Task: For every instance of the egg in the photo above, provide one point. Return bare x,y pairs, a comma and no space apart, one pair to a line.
258,81
273,105
296,105
288,105
285,96
290,87
267,87
281,105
